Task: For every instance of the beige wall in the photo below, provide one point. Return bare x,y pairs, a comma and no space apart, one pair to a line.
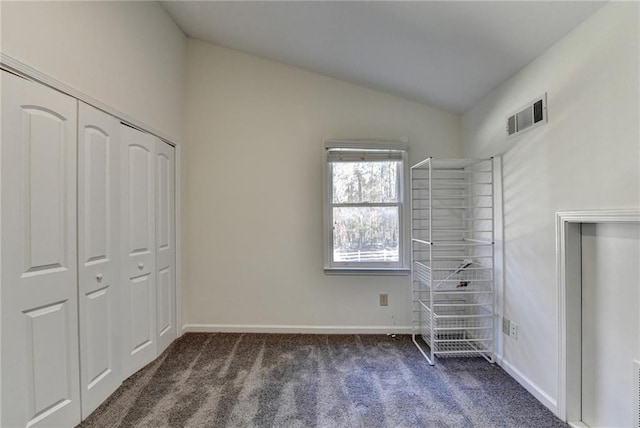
253,227
128,55
587,157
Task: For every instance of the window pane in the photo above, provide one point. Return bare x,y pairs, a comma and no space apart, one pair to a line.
355,182
365,234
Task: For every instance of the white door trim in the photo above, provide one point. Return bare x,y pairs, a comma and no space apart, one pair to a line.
569,271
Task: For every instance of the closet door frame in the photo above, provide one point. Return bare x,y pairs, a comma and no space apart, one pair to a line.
22,69
569,280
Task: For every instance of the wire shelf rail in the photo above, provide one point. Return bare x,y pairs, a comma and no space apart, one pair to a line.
452,258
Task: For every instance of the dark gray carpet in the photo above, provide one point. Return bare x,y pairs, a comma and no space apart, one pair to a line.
268,380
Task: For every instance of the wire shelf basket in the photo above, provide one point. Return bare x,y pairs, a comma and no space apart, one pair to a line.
460,332
452,275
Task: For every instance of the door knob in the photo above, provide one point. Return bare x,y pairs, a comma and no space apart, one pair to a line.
99,277
140,265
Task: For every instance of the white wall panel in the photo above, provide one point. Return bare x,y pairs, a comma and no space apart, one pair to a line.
585,158
253,222
132,56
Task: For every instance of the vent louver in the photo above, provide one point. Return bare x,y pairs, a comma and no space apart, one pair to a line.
528,117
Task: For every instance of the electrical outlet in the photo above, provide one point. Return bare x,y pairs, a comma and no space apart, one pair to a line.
513,331
384,300
506,326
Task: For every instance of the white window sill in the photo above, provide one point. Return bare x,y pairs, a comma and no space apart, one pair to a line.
367,271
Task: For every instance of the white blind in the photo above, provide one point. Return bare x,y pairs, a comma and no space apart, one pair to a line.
363,155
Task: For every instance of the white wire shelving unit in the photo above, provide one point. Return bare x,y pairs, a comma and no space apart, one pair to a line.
452,258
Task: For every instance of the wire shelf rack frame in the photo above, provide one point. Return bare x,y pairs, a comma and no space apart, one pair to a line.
452,258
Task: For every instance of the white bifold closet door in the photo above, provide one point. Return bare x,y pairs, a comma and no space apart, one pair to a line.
165,244
138,238
40,368
99,256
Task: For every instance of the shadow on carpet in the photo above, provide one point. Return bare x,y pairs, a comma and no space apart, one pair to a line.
296,380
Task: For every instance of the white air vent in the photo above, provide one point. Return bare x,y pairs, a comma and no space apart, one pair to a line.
528,117
636,401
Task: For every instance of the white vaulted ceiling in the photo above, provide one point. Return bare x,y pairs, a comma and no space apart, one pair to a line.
447,54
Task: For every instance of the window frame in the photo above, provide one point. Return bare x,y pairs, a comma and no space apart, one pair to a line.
363,268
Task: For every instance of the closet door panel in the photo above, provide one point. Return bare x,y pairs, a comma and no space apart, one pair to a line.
141,317
139,197
138,207
164,307
165,244
140,211
99,256
39,346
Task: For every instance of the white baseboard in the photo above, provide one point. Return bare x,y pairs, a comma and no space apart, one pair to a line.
534,389
308,329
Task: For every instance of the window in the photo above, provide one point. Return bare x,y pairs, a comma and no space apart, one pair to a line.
364,206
